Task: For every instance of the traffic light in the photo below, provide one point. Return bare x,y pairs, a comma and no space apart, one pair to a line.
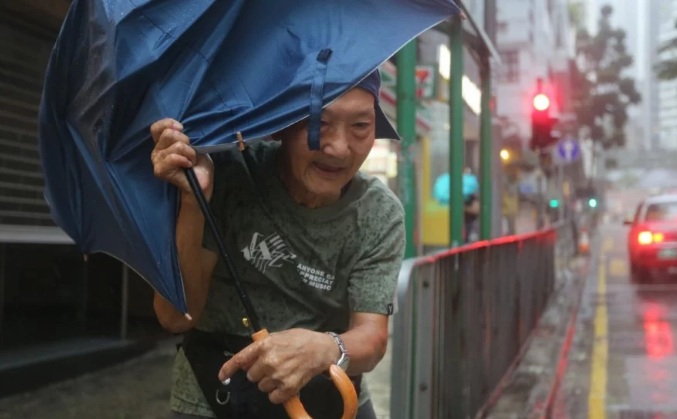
592,203
554,203
541,122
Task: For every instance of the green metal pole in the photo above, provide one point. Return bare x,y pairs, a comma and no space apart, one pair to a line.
459,400
406,127
486,153
456,146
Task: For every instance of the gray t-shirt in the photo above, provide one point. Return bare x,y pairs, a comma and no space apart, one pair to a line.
302,268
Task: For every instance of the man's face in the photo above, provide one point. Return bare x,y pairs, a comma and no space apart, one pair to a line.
346,138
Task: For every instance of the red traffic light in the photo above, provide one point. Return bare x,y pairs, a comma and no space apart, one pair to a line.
541,102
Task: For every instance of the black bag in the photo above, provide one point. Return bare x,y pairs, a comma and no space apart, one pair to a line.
242,399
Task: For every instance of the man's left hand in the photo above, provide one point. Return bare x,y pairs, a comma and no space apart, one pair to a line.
284,362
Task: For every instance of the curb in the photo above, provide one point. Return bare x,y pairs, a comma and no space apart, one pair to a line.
566,346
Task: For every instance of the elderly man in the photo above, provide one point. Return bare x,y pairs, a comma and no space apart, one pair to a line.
318,244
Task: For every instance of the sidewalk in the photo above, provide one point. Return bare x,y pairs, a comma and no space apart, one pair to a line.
525,221
528,390
136,389
378,382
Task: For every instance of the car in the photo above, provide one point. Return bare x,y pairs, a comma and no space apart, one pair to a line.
652,239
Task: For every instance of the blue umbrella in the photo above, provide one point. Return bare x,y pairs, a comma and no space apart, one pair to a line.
220,67
441,187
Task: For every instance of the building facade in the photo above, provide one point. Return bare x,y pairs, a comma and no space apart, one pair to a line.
534,41
650,85
54,303
667,97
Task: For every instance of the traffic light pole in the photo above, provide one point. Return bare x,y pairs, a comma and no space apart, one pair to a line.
456,146
540,202
542,139
486,153
489,160
406,127
560,187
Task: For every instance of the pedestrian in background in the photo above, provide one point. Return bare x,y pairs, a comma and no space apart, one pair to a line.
471,203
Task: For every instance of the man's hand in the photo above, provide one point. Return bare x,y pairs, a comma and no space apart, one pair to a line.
173,153
284,362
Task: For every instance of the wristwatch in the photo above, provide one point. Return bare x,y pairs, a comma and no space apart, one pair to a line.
344,358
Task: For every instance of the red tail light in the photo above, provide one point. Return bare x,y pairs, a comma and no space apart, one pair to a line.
648,237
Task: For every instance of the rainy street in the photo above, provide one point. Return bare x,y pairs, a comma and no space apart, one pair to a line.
622,363
495,181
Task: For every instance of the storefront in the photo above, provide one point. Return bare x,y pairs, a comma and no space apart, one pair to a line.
55,306
433,131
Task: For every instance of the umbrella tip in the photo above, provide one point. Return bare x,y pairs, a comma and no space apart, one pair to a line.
187,316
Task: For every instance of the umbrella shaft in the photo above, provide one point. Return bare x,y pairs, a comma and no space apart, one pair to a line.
209,217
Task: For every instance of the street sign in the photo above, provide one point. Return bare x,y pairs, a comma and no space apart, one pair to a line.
568,150
425,81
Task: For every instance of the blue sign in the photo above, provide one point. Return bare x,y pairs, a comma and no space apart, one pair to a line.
568,150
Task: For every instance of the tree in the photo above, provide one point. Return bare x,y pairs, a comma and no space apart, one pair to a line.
601,92
667,69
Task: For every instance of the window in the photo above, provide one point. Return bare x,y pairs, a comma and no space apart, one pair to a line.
661,212
510,67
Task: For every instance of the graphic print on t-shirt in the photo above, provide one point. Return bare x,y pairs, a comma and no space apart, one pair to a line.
316,278
267,252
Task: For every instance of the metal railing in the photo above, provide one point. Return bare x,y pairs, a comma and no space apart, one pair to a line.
463,317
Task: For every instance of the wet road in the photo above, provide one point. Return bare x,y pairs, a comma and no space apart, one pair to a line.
622,363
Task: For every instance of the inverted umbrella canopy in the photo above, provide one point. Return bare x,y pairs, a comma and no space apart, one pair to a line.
220,67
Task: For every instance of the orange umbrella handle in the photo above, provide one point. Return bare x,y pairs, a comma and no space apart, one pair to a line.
295,408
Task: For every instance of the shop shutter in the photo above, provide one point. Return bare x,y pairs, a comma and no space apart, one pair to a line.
24,52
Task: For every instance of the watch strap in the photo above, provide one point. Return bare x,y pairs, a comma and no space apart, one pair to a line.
344,357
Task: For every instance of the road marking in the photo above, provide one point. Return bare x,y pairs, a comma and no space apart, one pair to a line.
607,246
618,268
600,349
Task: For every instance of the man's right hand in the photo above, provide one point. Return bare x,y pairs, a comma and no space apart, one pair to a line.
171,156
173,153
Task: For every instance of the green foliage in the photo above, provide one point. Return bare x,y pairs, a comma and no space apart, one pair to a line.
576,13
667,70
601,92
